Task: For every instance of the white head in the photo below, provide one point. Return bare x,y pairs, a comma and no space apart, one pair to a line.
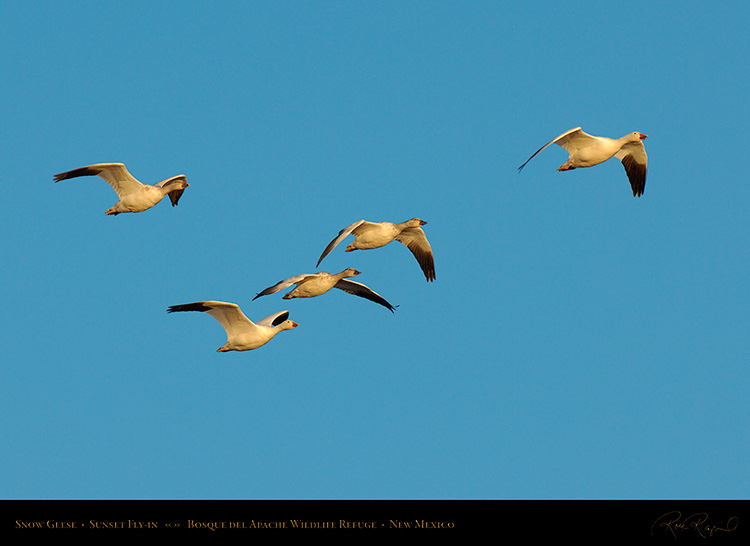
350,272
288,325
415,222
179,184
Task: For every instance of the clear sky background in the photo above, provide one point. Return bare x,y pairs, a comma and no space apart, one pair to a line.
578,342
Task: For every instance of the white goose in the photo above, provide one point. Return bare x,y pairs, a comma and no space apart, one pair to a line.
370,235
310,285
586,151
242,333
134,196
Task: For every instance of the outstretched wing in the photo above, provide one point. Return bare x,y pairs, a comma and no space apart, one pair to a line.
416,241
340,237
571,140
359,289
229,315
634,159
282,284
115,174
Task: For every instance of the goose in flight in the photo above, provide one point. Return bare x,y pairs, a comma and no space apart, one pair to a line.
586,151
315,284
134,196
369,235
242,333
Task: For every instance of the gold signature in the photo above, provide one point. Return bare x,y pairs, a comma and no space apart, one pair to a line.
673,522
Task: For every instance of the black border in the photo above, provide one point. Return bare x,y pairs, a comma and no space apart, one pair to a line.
601,520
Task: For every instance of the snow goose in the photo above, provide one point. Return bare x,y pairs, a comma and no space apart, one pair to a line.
242,333
134,196
586,151
376,234
310,285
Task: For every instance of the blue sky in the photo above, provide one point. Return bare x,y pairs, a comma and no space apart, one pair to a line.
577,342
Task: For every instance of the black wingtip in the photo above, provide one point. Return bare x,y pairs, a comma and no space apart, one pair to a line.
197,306
281,318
